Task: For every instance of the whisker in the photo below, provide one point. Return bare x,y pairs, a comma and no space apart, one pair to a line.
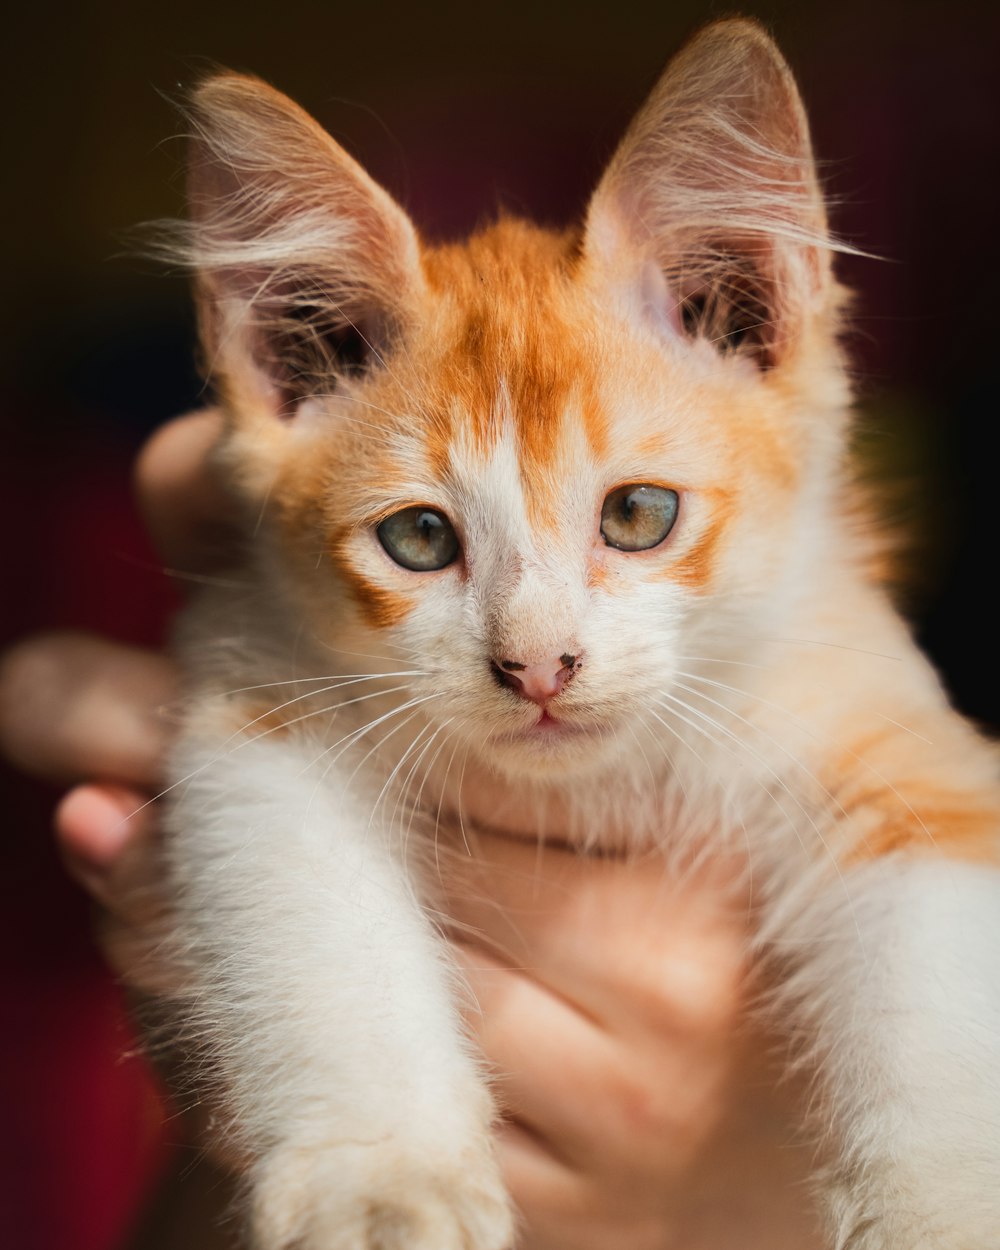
649,768
415,806
684,742
332,677
800,724
805,729
350,739
839,646
785,787
356,734
394,773
780,746
313,694
441,798
202,579
461,813
732,751
226,749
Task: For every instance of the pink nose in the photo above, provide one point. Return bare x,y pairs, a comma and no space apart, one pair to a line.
537,682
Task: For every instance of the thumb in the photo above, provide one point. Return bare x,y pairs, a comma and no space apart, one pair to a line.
109,837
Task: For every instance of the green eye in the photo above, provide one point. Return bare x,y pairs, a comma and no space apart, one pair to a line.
635,518
419,539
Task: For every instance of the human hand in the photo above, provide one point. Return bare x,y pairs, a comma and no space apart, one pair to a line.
609,996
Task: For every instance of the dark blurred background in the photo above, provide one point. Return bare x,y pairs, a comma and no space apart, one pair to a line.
457,109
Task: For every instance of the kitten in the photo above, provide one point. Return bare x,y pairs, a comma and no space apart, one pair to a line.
557,530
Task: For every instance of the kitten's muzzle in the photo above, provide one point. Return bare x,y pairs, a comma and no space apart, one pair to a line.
537,682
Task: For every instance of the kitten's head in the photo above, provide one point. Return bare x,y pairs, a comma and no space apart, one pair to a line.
545,471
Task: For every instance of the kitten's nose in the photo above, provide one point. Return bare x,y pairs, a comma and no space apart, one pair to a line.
537,682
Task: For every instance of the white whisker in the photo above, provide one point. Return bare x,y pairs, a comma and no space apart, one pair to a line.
776,777
866,764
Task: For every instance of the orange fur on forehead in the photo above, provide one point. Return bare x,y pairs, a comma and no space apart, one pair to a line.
517,341
511,339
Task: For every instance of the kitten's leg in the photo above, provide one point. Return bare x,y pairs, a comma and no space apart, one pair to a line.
323,997
902,992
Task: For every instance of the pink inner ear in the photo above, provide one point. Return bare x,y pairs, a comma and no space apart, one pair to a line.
660,305
636,277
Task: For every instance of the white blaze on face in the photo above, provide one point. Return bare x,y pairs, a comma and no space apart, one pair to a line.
527,586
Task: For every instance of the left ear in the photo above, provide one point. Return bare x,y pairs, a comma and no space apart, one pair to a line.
711,202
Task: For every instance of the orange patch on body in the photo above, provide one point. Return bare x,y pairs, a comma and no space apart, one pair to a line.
912,815
930,828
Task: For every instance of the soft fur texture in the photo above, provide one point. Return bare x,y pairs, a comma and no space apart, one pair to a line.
745,682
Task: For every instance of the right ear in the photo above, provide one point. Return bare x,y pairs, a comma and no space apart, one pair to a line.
302,261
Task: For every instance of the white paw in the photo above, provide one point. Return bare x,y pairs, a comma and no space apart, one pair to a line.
379,1197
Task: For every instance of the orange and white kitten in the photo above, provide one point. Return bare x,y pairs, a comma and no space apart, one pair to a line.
556,531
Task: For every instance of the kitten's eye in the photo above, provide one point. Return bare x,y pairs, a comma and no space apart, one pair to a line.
635,518
419,539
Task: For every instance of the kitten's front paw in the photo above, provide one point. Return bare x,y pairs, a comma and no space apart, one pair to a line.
380,1197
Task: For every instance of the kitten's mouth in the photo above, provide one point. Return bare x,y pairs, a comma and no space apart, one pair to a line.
549,728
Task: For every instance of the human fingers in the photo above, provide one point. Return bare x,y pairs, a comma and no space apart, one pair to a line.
190,515
651,1125
95,826
562,1209
606,1138
74,706
109,837
587,926
606,997
629,1105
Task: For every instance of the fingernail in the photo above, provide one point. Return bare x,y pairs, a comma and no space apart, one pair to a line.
94,825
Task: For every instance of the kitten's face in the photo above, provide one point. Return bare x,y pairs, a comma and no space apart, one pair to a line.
548,490
491,445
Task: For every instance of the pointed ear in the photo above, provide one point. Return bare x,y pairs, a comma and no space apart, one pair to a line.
711,202
303,263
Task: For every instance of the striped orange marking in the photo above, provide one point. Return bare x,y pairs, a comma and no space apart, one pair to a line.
696,566
912,814
501,364
380,607
932,828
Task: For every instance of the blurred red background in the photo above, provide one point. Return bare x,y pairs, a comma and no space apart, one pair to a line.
458,110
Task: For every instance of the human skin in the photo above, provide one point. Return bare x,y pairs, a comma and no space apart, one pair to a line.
608,997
